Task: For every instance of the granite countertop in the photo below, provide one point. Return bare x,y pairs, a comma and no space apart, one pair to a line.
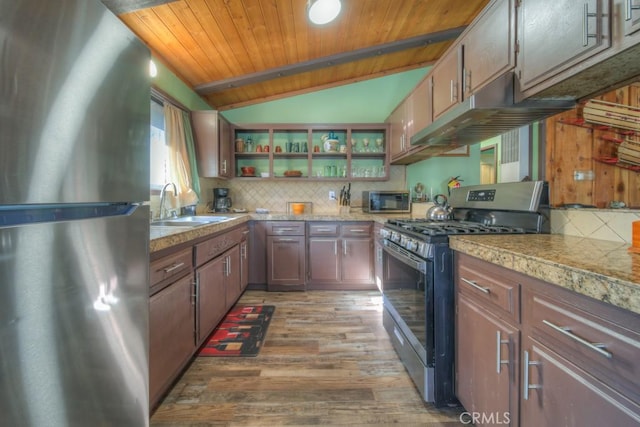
599,269
165,237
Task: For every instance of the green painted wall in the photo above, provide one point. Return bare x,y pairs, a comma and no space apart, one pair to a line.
434,173
369,101
177,89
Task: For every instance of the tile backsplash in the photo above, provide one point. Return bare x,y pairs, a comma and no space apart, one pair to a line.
604,224
274,194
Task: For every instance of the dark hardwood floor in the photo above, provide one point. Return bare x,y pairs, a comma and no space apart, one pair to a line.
326,361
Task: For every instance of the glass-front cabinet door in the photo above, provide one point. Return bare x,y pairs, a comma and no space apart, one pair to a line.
312,152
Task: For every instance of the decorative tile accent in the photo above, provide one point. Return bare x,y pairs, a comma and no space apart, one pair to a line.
603,224
273,194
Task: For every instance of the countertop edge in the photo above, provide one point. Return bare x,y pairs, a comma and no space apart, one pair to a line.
166,237
609,288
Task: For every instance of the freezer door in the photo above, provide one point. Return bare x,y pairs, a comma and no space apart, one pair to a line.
74,322
74,105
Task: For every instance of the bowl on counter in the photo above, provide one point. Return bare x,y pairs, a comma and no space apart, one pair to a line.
264,174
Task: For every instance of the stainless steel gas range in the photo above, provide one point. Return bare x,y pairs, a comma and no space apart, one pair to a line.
417,282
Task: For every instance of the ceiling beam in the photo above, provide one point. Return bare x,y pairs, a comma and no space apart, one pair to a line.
119,7
328,61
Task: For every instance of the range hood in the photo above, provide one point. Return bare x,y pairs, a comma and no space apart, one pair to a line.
489,112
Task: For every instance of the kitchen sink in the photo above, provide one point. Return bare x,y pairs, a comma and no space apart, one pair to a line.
189,221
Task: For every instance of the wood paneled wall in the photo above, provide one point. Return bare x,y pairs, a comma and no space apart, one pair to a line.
573,145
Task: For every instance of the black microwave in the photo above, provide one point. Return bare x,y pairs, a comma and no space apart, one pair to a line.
386,202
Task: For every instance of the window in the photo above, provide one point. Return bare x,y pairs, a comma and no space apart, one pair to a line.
159,148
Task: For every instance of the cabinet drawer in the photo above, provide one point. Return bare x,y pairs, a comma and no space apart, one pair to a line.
213,247
323,229
592,339
289,228
489,284
356,230
171,266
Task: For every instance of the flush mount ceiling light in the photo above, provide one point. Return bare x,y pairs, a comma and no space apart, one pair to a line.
323,11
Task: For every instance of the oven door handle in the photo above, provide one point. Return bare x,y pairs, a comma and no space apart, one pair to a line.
405,257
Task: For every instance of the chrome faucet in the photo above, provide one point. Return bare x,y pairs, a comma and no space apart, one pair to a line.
163,210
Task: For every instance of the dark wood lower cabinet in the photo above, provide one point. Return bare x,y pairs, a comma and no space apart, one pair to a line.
340,256
487,375
210,296
561,394
171,336
286,263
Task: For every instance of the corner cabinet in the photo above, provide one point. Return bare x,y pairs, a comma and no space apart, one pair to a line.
212,134
322,152
530,353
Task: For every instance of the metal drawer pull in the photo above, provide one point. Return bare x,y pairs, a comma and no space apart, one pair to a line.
528,386
174,267
284,240
475,285
597,347
357,230
317,230
499,360
585,25
628,7
285,229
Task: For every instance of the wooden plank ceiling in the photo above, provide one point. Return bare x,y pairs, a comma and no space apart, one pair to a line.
240,52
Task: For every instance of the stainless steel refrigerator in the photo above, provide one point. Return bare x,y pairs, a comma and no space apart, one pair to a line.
74,232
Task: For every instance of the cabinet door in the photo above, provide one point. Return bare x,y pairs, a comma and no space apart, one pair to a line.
232,278
210,294
171,335
420,114
489,47
244,265
285,262
207,141
357,261
446,82
556,35
323,260
555,392
397,135
225,150
258,253
486,362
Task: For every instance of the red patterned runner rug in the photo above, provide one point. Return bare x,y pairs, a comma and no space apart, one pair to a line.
241,332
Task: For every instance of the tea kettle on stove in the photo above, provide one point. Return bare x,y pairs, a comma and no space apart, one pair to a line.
440,211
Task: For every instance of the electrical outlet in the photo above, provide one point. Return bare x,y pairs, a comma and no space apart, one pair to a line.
332,195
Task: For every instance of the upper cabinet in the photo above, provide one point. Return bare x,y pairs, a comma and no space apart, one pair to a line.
446,77
488,48
212,134
557,35
576,49
484,51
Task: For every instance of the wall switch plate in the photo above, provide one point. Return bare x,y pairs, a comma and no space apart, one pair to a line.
332,195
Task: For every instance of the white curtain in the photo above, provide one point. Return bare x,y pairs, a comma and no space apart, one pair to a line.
179,166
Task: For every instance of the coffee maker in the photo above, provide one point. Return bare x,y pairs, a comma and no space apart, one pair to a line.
221,200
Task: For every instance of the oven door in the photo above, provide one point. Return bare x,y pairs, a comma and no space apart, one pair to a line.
407,290
419,317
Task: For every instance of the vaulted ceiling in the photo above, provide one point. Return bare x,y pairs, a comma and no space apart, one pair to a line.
240,52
